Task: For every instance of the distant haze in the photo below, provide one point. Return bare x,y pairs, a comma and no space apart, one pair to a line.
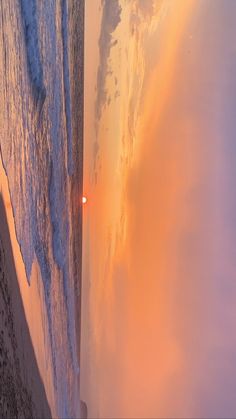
159,231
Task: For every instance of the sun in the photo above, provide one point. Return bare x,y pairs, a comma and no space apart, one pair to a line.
84,200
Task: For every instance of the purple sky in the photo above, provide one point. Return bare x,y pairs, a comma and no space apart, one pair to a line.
160,231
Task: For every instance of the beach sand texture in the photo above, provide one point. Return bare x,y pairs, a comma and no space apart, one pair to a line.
22,392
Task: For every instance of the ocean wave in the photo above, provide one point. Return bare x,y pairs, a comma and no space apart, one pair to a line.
34,64
66,79
37,153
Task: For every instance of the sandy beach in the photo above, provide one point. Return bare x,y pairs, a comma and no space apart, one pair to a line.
22,392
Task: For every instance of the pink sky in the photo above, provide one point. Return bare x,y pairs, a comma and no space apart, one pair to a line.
158,276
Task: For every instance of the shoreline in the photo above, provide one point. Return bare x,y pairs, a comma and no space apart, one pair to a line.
22,391
30,296
59,375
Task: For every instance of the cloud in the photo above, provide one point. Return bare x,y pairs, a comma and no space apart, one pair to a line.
146,7
173,303
167,341
110,20
143,12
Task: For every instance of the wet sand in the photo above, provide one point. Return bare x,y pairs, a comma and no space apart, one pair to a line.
22,392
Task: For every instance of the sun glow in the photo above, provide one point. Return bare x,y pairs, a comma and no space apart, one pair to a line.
84,200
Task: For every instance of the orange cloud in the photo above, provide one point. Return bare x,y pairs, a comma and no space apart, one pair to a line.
165,320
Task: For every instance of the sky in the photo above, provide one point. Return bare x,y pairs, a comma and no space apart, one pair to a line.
159,232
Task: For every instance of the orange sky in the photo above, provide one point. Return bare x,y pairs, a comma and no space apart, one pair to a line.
154,229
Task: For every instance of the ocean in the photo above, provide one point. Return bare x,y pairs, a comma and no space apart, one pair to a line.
41,140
